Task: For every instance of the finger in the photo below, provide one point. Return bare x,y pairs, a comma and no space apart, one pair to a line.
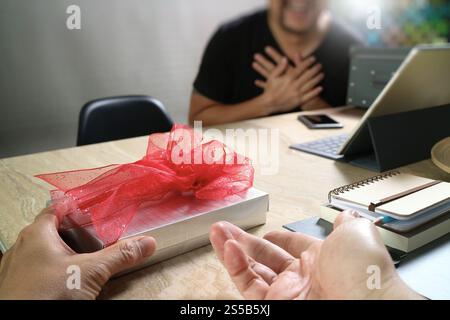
264,272
290,284
45,211
262,71
220,233
303,66
265,63
308,74
294,243
219,236
261,84
298,59
247,281
48,216
44,233
274,54
260,250
309,85
310,95
280,68
124,255
344,217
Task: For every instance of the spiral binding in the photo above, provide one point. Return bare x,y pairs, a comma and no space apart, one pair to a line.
361,183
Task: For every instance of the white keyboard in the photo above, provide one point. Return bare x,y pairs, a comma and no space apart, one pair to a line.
327,147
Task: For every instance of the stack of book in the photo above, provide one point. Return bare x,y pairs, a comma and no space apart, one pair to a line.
409,211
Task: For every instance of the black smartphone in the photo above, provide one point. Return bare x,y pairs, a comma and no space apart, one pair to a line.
319,121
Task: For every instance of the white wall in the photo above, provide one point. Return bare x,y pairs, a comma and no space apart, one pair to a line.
124,47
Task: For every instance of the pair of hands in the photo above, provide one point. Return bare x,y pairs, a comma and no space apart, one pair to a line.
287,87
284,265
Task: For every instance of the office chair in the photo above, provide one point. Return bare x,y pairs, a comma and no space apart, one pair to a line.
121,117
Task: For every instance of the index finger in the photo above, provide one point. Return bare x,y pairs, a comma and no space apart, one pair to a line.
47,214
248,282
261,250
268,65
293,242
303,66
274,54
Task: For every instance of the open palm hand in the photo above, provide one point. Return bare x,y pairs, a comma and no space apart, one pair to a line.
286,265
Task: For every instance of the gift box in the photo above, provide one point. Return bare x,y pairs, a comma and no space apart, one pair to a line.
178,225
182,185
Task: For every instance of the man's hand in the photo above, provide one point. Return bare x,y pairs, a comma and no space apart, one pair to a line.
300,82
287,265
36,267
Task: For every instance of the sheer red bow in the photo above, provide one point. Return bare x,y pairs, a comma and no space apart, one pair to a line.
177,162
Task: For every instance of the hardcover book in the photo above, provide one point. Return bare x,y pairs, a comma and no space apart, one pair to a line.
179,225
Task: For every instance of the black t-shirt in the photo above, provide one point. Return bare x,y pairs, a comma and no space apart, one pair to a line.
226,74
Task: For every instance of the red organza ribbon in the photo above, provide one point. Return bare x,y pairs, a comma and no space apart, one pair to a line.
180,161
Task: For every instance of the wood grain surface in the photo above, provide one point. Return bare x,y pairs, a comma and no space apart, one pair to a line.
296,191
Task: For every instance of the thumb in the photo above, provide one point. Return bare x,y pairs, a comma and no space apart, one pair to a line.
280,68
126,254
346,216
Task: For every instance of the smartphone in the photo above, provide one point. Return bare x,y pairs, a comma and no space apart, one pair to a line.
319,121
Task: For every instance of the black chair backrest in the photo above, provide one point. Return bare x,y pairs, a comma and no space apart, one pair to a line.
121,117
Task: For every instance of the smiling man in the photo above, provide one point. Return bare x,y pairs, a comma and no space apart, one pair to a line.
292,56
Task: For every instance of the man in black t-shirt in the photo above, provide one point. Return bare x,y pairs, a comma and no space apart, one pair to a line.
290,57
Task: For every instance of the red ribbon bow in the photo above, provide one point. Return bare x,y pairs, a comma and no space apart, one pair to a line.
180,161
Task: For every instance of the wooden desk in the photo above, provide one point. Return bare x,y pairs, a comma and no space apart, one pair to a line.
296,192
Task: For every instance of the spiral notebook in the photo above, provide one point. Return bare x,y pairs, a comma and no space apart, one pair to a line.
417,209
396,195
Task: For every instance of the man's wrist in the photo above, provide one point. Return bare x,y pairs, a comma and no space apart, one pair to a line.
265,103
395,289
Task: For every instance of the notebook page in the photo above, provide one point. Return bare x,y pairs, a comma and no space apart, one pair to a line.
413,203
381,189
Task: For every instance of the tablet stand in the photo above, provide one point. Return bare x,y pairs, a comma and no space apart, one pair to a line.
403,138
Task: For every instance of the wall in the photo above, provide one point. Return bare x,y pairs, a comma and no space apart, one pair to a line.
48,72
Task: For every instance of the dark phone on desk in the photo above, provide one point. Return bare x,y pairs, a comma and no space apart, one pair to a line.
319,121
